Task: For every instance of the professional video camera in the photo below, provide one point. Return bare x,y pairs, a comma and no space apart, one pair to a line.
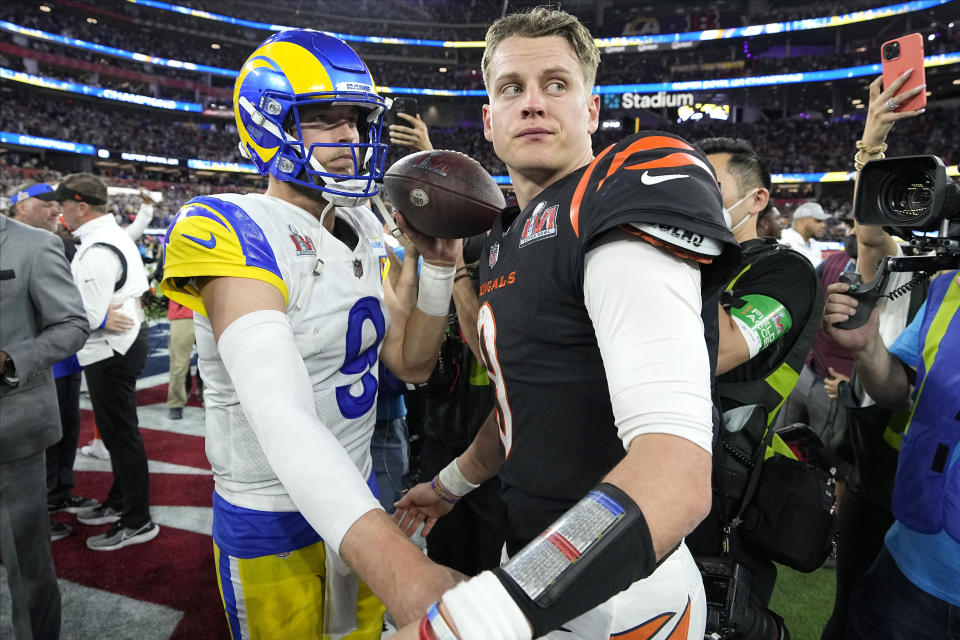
910,196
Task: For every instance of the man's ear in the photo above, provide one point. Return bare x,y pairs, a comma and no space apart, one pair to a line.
487,123
760,200
593,109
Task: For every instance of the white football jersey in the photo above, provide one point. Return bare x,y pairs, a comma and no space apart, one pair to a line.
334,297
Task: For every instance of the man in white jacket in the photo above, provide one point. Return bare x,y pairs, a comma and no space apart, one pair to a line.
109,272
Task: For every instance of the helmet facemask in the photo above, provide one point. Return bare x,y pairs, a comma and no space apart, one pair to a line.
279,116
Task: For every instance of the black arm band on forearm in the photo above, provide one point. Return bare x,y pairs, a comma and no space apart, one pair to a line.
594,551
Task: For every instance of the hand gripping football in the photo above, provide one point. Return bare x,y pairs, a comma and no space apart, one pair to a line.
445,194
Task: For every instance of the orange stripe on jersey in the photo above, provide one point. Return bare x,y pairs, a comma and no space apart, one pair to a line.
673,160
582,189
643,144
646,630
683,625
651,627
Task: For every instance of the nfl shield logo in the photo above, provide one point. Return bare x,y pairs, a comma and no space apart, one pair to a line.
494,254
357,268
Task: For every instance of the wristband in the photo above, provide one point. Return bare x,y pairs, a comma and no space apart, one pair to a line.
442,493
454,481
438,625
483,610
436,287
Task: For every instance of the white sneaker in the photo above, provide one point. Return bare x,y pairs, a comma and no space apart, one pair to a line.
96,449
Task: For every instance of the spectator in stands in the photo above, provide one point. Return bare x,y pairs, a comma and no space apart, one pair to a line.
808,222
108,270
41,322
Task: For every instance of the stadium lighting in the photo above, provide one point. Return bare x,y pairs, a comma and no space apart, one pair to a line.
92,20
47,9
214,46
931,37
443,69
618,41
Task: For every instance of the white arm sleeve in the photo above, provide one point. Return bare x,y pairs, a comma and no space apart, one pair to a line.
136,228
645,306
275,392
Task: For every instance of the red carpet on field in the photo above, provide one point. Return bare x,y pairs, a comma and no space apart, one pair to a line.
176,569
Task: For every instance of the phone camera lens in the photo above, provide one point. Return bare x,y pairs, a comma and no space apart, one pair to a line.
891,51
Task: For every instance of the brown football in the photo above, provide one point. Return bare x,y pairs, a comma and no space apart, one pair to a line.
445,194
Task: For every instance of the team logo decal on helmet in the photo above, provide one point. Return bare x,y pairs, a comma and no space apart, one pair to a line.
294,69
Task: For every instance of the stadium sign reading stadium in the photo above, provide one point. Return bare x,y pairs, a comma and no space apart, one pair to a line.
655,100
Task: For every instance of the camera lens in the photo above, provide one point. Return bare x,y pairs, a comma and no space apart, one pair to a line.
891,51
907,196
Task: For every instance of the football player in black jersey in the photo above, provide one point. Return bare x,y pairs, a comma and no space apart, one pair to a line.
597,323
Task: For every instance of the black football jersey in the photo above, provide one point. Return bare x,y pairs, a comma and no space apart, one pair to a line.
553,406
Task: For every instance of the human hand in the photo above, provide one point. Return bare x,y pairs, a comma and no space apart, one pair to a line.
420,504
117,322
840,307
441,252
831,383
146,198
413,135
880,118
427,586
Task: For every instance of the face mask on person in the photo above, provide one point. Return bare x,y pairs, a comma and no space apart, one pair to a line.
728,212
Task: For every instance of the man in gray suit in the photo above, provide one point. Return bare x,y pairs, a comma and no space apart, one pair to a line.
41,321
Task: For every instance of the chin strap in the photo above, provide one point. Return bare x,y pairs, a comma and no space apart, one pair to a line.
388,220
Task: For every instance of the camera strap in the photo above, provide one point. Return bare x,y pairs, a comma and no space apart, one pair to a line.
754,479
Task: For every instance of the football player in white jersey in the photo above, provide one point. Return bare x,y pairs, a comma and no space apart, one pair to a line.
293,318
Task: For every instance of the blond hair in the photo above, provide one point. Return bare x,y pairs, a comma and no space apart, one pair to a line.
542,22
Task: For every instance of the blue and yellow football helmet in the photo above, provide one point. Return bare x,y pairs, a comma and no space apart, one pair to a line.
293,69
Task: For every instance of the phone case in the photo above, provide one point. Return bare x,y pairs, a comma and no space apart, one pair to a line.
910,55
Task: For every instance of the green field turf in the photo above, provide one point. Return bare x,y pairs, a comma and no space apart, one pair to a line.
805,600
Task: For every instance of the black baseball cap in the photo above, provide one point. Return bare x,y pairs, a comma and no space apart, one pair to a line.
64,192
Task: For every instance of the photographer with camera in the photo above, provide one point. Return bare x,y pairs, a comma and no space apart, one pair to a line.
912,588
872,432
768,317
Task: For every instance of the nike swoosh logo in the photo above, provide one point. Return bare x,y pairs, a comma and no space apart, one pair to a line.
210,243
648,179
